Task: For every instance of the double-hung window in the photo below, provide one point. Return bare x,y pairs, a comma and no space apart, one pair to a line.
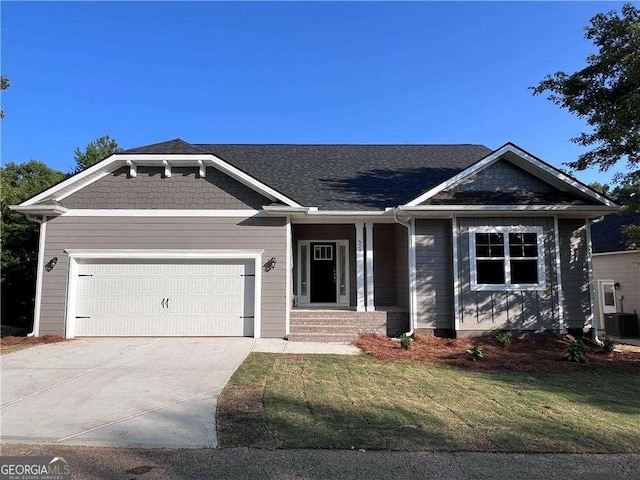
506,258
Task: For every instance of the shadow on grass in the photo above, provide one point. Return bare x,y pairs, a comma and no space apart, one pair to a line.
444,409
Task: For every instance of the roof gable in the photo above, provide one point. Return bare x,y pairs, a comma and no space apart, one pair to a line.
503,183
532,165
191,156
185,190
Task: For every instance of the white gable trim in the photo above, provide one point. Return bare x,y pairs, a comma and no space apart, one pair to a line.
110,164
497,155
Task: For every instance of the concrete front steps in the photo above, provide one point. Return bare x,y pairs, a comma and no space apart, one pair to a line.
343,325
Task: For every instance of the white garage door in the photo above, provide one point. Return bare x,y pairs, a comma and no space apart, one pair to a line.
164,298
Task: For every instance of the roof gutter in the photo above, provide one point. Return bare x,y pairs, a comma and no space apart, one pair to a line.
411,252
31,210
38,296
592,294
570,210
316,212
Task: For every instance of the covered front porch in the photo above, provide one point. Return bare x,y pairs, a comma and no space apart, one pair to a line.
349,279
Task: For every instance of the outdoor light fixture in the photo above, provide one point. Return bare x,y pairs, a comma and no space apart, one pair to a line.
270,265
51,264
616,285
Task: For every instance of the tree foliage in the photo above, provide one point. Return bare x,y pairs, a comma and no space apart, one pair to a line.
4,84
19,259
605,93
19,256
94,152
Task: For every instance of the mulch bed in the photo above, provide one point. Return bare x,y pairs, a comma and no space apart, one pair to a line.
31,340
541,354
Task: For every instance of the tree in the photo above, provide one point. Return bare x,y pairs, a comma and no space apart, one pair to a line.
4,84
94,152
19,256
606,93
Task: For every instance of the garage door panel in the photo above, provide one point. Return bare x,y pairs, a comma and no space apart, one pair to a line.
160,298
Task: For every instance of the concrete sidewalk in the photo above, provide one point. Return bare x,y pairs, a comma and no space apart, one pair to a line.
277,345
93,463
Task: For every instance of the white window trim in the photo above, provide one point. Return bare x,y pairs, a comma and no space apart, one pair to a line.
305,300
323,252
507,286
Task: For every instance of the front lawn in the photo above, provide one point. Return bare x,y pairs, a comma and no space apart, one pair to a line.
326,401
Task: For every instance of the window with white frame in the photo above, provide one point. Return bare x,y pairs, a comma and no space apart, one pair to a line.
506,258
323,252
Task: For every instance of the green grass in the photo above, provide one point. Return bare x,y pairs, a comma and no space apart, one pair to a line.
325,401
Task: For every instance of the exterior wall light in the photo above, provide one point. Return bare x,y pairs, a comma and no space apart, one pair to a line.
51,264
270,265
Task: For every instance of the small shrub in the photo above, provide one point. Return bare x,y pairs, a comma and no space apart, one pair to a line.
608,344
576,351
405,341
503,340
475,353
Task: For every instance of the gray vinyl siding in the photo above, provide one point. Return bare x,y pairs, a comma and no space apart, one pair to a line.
194,233
623,268
503,175
151,189
328,232
575,272
504,183
434,273
402,266
384,265
515,309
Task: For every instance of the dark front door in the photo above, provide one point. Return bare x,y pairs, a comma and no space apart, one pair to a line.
323,273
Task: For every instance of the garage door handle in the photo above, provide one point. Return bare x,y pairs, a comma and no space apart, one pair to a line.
165,303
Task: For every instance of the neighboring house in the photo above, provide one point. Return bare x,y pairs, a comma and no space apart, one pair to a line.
314,242
616,269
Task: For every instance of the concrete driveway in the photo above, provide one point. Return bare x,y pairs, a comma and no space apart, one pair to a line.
159,392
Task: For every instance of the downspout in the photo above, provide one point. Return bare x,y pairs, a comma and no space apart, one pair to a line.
412,312
38,294
594,321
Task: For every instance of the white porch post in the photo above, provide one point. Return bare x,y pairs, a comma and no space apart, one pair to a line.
360,267
369,255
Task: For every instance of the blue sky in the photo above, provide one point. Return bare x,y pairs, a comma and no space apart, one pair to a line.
214,72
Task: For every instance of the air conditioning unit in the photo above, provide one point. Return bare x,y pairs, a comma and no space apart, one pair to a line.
622,324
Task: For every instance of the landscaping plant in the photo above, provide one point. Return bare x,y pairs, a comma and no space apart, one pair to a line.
503,340
608,344
475,353
576,351
405,341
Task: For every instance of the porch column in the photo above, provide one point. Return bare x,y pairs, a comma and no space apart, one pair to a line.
360,267
369,254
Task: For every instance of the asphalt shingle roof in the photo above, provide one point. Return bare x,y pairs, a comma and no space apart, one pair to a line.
340,177
607,236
